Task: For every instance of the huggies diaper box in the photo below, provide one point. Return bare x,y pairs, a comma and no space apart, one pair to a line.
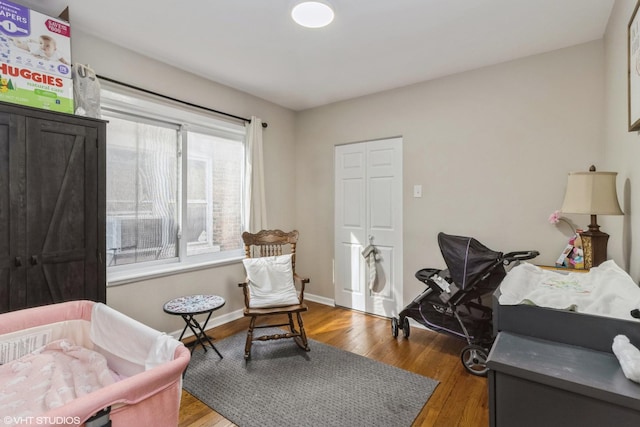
33,40
23,86
35,59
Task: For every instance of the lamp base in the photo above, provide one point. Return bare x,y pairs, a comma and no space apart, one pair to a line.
594,245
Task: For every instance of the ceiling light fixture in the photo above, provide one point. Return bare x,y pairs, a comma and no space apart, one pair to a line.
312,14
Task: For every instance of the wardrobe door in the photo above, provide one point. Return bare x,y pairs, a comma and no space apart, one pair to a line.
62,213
12,208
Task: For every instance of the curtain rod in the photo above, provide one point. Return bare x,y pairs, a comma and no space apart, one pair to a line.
264,125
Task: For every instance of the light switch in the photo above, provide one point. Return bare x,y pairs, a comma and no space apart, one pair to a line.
417,190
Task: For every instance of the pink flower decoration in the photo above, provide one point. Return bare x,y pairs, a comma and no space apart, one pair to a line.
554,218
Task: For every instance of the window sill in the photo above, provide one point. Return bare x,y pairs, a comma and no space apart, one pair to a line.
126,277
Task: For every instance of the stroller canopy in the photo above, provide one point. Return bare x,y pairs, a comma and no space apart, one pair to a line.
466,258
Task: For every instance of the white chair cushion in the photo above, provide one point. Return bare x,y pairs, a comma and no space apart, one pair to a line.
270,281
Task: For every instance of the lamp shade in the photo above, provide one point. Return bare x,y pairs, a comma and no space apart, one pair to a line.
592,193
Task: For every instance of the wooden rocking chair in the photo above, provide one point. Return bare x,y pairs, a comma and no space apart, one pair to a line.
270,258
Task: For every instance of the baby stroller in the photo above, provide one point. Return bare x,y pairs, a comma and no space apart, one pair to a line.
452,303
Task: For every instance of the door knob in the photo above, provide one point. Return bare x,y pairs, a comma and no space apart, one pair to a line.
18,261
34,260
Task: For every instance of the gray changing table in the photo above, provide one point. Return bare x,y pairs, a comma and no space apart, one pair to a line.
536,382
556,368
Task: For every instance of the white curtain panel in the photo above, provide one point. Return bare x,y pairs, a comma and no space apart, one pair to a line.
255,205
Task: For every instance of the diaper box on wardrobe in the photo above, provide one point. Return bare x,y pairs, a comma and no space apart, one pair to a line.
35,59
35,89
33,40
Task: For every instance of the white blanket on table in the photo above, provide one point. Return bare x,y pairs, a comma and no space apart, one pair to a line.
605,290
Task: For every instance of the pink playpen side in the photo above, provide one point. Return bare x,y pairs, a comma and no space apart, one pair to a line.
150,398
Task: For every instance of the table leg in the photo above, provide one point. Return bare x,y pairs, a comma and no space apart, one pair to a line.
184,330
198,332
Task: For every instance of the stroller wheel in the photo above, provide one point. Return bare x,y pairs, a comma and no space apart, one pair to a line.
474,359
394,327
405,327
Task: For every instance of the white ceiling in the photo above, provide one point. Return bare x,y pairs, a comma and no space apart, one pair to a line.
372,45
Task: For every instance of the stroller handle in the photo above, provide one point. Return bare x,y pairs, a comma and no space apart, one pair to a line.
519,256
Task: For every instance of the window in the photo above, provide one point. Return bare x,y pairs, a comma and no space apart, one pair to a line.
142,191
174,187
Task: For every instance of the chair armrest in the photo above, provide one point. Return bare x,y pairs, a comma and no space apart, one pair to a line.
245,290
303,281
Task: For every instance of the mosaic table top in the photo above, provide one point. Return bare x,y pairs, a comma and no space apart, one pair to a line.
194,304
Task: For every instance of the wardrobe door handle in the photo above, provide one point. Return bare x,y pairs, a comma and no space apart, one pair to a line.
18,261
34,260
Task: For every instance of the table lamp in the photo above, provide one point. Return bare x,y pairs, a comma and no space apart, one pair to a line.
592,193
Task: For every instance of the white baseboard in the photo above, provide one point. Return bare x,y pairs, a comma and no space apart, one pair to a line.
415,324
238,314
319,299
215,321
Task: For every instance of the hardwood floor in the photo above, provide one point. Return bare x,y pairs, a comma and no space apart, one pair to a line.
460,399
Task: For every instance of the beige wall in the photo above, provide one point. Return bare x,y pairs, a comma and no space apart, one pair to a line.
143,300
491,148
621,148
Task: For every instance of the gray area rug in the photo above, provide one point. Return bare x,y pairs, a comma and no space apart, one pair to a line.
283,385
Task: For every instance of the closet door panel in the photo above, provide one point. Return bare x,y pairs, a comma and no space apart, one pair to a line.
5,203
62,212
12,209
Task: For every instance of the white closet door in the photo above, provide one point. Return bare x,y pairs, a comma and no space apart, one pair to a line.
368,209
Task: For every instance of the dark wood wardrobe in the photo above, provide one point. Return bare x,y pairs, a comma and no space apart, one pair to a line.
52,208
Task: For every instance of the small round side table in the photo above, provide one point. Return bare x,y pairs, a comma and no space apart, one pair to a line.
190,306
